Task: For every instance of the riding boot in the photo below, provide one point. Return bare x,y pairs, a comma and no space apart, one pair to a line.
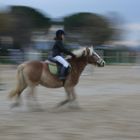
62,75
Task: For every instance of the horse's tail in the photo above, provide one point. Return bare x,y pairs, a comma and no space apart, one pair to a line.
21,84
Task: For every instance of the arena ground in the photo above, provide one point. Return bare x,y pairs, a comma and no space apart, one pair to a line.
109,100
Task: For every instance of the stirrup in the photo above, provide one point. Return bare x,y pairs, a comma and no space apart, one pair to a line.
62,77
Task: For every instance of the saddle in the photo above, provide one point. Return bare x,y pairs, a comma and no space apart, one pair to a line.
55,67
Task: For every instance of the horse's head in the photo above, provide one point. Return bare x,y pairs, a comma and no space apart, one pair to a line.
93,57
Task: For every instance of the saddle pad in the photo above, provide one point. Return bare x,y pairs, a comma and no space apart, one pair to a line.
53,68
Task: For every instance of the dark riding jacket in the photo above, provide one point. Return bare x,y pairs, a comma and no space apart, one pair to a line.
59,49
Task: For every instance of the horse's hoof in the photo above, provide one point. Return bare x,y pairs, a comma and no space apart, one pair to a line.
15,105
74,105
37,110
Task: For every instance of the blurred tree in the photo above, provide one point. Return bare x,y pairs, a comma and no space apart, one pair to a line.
24,21
4,23
88,28
117,22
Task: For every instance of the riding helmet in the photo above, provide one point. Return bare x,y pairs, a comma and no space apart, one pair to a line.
60,32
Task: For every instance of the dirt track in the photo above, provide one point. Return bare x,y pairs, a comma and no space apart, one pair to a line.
109,101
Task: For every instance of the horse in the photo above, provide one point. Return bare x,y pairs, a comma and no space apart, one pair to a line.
33,73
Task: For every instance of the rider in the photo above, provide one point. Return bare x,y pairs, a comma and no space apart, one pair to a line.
57,52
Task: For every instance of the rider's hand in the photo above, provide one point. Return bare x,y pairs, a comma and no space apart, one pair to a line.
73,55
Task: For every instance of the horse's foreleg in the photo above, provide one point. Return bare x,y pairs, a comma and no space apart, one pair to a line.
73,102
63,103
68,92
73,94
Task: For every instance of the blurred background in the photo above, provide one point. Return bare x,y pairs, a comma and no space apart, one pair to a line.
27,29
109,97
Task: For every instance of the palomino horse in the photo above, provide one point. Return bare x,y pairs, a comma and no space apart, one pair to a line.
32,73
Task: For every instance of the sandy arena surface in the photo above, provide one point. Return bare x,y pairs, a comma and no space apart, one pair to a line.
109,101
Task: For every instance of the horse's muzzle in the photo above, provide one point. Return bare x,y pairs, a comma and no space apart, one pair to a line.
101,63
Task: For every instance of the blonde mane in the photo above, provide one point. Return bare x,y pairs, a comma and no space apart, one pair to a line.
84,50
79,52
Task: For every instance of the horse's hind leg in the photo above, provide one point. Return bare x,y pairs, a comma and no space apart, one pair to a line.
32,100
18,99
20,86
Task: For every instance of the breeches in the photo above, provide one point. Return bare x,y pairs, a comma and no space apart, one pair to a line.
61,60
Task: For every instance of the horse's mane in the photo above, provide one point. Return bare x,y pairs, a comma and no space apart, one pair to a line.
79,52
83,51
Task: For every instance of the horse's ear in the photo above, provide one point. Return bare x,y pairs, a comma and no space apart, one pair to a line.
88,51
84,53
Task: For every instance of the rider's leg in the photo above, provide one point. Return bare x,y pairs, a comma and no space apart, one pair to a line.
61,60
62,75
64,67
